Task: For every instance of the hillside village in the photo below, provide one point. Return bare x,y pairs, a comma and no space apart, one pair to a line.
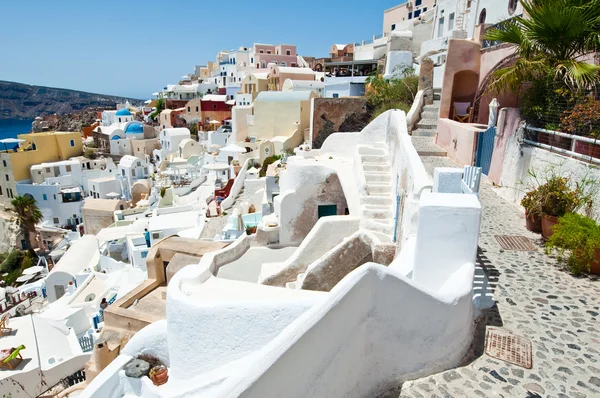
394,219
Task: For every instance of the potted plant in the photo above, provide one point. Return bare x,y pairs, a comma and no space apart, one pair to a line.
533,212
580,236
584,120
557,198
250,229
159,375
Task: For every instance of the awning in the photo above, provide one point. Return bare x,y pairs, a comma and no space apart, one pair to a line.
216,166
234,148
33,270
24,278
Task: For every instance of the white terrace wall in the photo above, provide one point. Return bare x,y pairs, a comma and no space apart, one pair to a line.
520,158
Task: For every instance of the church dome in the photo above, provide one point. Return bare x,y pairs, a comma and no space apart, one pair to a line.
123,112
134,128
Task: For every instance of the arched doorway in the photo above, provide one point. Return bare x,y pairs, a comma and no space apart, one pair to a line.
464,88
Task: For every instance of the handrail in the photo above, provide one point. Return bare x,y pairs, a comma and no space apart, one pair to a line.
573,138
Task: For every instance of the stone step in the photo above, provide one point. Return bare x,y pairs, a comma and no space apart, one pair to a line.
377,200
429,115
431,108
423,133
437,96
367,167
427,124
378,226
380,214
377,177
425,146
374,159
378,188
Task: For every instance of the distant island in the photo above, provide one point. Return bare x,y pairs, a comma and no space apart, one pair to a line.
23,101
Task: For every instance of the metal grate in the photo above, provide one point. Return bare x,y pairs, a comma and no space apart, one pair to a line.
507,347
515,243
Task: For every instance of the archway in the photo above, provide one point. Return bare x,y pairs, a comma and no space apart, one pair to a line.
464,87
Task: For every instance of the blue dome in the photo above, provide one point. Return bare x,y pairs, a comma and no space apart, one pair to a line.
134,128
123,112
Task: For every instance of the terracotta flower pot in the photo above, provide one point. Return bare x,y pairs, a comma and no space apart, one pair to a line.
160,377
548,223
533,222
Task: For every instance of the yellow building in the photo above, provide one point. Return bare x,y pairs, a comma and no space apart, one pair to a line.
37,148
254,83
281,117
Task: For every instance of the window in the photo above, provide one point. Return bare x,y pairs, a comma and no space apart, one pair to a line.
72,142
451,21
418,3
283,63
0,190
288,52
196,109
47,169
410,15
7,177
68,168
214,106
268,51
132,172
44,196
424,10
123,172
55,220
336,95
189,109
393,26
512,6
441,27
417,13
119,120
261,51
4,163
54,196
482,16
144,254
252,60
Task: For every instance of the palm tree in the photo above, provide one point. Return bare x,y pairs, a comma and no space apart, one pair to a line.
552,39
28,215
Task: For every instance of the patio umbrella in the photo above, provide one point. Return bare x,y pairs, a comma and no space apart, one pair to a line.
240,221
33,270
10,141
234,148
24,278
214,122
216,166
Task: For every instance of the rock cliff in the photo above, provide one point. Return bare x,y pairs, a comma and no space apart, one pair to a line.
22,101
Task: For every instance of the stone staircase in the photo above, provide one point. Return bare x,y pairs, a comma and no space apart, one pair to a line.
426,129
377,205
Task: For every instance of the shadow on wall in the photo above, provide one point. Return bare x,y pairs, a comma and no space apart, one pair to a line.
464,86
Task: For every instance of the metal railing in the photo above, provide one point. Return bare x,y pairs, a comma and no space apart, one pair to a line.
500,25
86,343
583,148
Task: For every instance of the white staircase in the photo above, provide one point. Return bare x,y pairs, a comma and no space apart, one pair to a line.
377,205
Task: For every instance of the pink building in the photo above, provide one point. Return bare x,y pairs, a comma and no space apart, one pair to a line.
282,54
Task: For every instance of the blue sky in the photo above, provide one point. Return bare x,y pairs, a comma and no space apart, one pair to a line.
133,48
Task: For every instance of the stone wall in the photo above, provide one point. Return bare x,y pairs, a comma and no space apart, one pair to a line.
333,115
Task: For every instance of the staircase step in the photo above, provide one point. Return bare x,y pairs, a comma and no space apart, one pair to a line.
374,159
378,226
378,188
377,177
380,214
377,200
429,115
431,108
437,97
426,147
427,124
423,133
369,167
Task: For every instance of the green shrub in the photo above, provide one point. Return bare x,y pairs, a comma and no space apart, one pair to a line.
89,153
579,237
266,163
12,262
163,190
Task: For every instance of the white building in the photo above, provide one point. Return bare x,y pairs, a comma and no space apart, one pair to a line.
104,188
73,267
131,169
60,203
184,221
118,116
304,85
170,139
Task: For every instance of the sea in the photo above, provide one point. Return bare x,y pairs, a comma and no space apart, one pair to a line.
10,128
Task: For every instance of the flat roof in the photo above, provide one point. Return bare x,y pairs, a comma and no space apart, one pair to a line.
181,220
361,62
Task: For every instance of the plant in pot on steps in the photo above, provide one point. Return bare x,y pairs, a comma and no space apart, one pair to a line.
159,375
557,198
533,210
579,237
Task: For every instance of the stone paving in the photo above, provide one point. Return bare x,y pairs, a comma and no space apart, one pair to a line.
536,299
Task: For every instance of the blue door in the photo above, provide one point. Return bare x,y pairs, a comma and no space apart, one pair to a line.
485,149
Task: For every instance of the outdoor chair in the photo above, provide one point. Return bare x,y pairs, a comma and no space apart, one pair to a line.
11,358
462,112
224,192
4,329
